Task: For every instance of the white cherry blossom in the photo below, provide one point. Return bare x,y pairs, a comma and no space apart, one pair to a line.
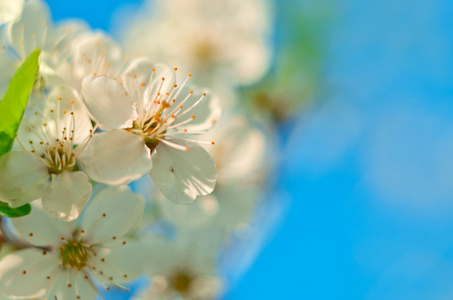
51,136
73,257
151,120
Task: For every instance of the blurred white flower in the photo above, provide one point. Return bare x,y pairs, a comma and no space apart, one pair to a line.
225,40
9,9
51,137
239,153
185,268
152,119
79,256
230,207
89,53
31,29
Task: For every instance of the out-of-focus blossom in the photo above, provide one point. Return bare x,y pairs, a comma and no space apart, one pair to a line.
9,9
79,255
89,54
184,269
224,40
152,119
32,29
295,81
51,136
240,150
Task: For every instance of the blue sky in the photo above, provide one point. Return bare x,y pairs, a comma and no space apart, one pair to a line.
370,170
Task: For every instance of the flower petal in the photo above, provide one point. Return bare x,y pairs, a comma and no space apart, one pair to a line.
94,52
125,263
73,286
113,213
41,229
116,157
180,175
108,101
239,149
141,72
23,274
28,32
67,195
23,178
65,101
10,10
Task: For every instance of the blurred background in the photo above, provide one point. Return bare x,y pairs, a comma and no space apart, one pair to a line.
360,98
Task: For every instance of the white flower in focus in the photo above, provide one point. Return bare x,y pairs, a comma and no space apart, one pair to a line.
227,40
151,119
96,251
51,137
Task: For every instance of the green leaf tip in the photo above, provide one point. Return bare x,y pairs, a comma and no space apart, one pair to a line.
9,212
13,104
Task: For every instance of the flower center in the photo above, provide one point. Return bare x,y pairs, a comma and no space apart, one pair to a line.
59,160
181,281
151,130
74,254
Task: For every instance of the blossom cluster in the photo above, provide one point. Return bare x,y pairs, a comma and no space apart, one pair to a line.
101,116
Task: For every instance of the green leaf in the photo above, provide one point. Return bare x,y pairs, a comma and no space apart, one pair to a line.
7,211
13,105
12,109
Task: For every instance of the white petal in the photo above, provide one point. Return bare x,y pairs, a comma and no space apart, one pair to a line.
9,9
113,213
8,64
67,195
41,229
28,32
207,112
141,71
37,266
92,53
238,151
60,102
126,260
50,75
108,101
23,178
181,175
116,157
71,285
